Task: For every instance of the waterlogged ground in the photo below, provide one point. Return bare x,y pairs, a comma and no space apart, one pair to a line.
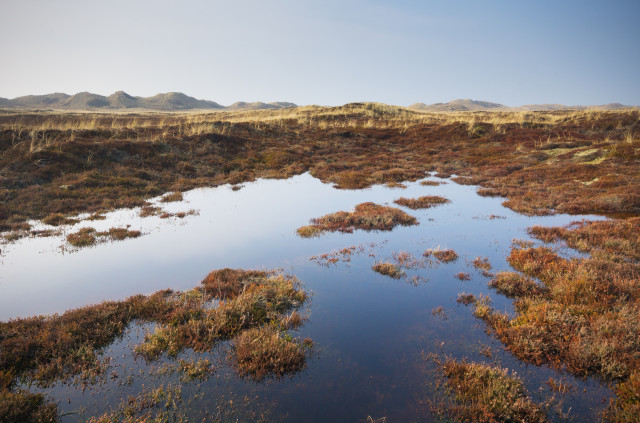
371,333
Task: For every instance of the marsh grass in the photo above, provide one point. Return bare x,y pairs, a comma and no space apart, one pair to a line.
516,285
46,349
161,404
23,406
171,197
366,216
463,276
86,237
429,183
264,351
424,202
583,314
388,269
480,392
442,255
69,163
57,219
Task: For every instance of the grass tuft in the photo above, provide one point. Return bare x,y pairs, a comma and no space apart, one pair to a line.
424,202
366,216
484,393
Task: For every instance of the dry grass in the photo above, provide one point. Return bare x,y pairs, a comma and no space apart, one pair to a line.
45,349
366,216
23,406
444,256
171,197
264,351
463,276
585,314
516,285
68,163
484,393
86,237
424,202
388,269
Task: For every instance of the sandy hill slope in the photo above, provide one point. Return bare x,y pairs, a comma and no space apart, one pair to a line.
176,101
256,105
122,100
39,101
85,100
467,105
462,105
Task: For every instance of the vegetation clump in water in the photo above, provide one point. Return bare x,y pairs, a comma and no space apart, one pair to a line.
47,349
89,236
171,197
444,256
516,285
585,316
266,350
484,393
388,269
366,216
424,202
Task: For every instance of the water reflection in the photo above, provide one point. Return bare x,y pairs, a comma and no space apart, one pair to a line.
371,331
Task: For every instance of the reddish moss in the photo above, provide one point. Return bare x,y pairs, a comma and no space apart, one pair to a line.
484,393
82,238
366,216
515,285
171,197
444,256
463,276
424,202
388,269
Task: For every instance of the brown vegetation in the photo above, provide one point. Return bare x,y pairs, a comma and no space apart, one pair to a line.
88,236
171,197
516,285
484,393
366,216
424,202
429,183
46,349
463,276
69,163
388,269
586,315
263,351
444,256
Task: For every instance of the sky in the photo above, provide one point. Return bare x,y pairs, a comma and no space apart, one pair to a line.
326,52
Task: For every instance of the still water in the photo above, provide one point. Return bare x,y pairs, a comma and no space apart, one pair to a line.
371,333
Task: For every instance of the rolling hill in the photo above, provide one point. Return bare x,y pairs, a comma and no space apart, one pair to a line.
120,100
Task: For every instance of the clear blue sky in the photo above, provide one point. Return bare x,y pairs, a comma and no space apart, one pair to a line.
326,52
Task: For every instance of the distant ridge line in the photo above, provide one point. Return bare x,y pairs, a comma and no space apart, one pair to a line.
176,101
468,105
120,100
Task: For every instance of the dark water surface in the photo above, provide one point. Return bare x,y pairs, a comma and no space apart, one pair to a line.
371,333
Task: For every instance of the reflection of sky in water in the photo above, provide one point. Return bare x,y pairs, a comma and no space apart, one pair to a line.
250,228
369,330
